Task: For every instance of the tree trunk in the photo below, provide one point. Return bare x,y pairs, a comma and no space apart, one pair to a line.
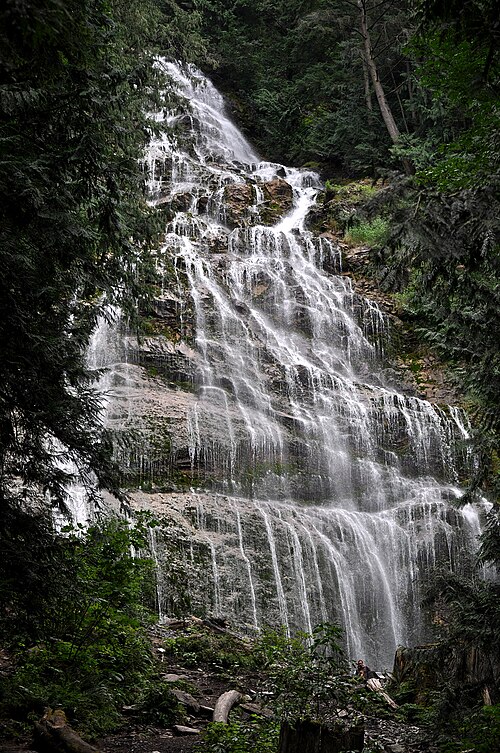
411,98
310,737
366,81
52,734
224,704
383,104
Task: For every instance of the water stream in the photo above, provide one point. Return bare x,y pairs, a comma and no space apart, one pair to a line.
319,489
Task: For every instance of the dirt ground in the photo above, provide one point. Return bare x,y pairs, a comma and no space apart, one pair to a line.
136,738
389,735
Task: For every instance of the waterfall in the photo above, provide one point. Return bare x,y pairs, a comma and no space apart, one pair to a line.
298,482
106,357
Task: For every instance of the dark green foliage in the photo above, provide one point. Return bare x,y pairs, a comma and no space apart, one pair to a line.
457,145
294,73
307,675
473,20
240,737
75,81
159,706
470,611
301,677
201,646
478,732
74,613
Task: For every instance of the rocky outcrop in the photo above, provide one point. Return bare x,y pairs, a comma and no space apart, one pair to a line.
422,669
238,199
243,209
278,196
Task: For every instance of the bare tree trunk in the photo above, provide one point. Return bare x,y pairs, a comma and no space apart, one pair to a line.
310,737
52,734
385,110
366,80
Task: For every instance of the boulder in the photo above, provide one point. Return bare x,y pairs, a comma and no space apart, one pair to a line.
238,198
278,195
171,677
187,700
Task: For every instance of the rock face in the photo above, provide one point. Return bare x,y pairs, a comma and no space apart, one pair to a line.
468,667
258,419
238,199
259,203
278,200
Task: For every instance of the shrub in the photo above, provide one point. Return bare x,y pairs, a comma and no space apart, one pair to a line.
201,646
159,706
373,233
86,647
307,675
241,737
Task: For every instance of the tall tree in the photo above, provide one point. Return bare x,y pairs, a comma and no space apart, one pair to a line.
298,75
76,80
385,109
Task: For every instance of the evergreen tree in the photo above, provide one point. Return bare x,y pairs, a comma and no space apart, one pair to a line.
76,81
297,75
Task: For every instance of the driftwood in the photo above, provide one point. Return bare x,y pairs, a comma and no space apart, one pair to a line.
181,730
52,734
310,737
224,704
374,684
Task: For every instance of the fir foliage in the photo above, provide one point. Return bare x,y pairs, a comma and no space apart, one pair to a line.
76,82
75,227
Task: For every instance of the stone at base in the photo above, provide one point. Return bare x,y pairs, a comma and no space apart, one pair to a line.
178,729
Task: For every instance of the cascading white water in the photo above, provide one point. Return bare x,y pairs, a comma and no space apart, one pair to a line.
105,355
322,492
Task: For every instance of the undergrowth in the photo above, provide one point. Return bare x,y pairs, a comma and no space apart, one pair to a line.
372,233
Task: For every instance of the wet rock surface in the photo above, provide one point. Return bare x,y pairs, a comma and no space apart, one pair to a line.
278,200
274,430
393,737
242,206
238,200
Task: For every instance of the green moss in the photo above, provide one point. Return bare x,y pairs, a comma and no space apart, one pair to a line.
271,212
337,203
354,191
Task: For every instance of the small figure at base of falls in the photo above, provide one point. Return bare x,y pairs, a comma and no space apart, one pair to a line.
372,682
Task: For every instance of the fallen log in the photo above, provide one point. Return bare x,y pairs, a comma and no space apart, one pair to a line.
52,734
224,704
374,684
